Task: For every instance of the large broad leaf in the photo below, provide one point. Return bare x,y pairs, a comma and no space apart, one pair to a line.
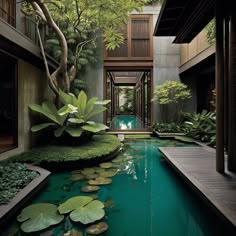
65,98
49,114
104,102
67,109
82,101
76,120
94,128
36,128
90,105
95,112
59,131
74,132
84,209
37,217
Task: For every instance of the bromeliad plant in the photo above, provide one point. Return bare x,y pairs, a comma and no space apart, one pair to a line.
74,117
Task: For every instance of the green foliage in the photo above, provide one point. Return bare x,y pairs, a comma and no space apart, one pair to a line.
172,97
83,209
169,128
40,216
99,146
82,22
202,126
211,32
171,92
13,177
73,117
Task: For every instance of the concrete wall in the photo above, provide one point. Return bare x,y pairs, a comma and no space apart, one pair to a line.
166,62
32,88
94,79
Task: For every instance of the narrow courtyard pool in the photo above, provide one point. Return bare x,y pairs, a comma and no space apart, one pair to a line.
146,198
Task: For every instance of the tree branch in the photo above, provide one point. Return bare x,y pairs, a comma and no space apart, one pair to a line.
49,77
64,49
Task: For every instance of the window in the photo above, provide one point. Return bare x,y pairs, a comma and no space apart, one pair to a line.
137,40
8,11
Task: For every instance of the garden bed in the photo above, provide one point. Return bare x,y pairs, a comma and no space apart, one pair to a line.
65,158
10,209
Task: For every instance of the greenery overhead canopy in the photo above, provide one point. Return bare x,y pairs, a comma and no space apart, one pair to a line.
75,26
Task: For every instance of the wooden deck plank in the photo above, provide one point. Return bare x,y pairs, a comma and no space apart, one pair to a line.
197,166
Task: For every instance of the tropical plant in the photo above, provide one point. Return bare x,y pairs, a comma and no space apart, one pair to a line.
171,95
169,127
74,117
202,126
75,27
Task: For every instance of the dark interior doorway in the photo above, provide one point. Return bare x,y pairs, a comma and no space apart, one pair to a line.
8,103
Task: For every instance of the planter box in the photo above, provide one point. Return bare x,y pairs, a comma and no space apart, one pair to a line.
9,210
168,135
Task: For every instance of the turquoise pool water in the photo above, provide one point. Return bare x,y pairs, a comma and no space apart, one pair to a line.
148,198
126,122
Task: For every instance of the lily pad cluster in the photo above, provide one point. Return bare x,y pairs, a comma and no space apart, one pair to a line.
40,216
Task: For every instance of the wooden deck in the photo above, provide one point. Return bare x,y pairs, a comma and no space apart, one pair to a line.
197,166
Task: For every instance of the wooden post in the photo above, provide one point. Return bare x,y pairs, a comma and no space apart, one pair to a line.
219,88
232,96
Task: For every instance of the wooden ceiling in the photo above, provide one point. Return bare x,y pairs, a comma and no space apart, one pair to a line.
183,19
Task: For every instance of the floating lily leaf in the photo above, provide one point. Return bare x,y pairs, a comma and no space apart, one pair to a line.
184,139
83,209
100,181
92,176
100,170
108,203
106,165
37,217
97,228
89,189
88,171
76,177
108,173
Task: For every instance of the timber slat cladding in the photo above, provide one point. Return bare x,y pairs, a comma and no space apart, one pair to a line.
197,166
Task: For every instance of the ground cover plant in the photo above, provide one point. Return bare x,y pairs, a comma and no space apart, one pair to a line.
13,178
169,127
98,147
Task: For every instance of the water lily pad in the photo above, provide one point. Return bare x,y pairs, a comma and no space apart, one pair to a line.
83,209
108,173
117,160
99,170
37,217
108,204
100,181
89,188
87,171
77,177
106,165
97,228
92,176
